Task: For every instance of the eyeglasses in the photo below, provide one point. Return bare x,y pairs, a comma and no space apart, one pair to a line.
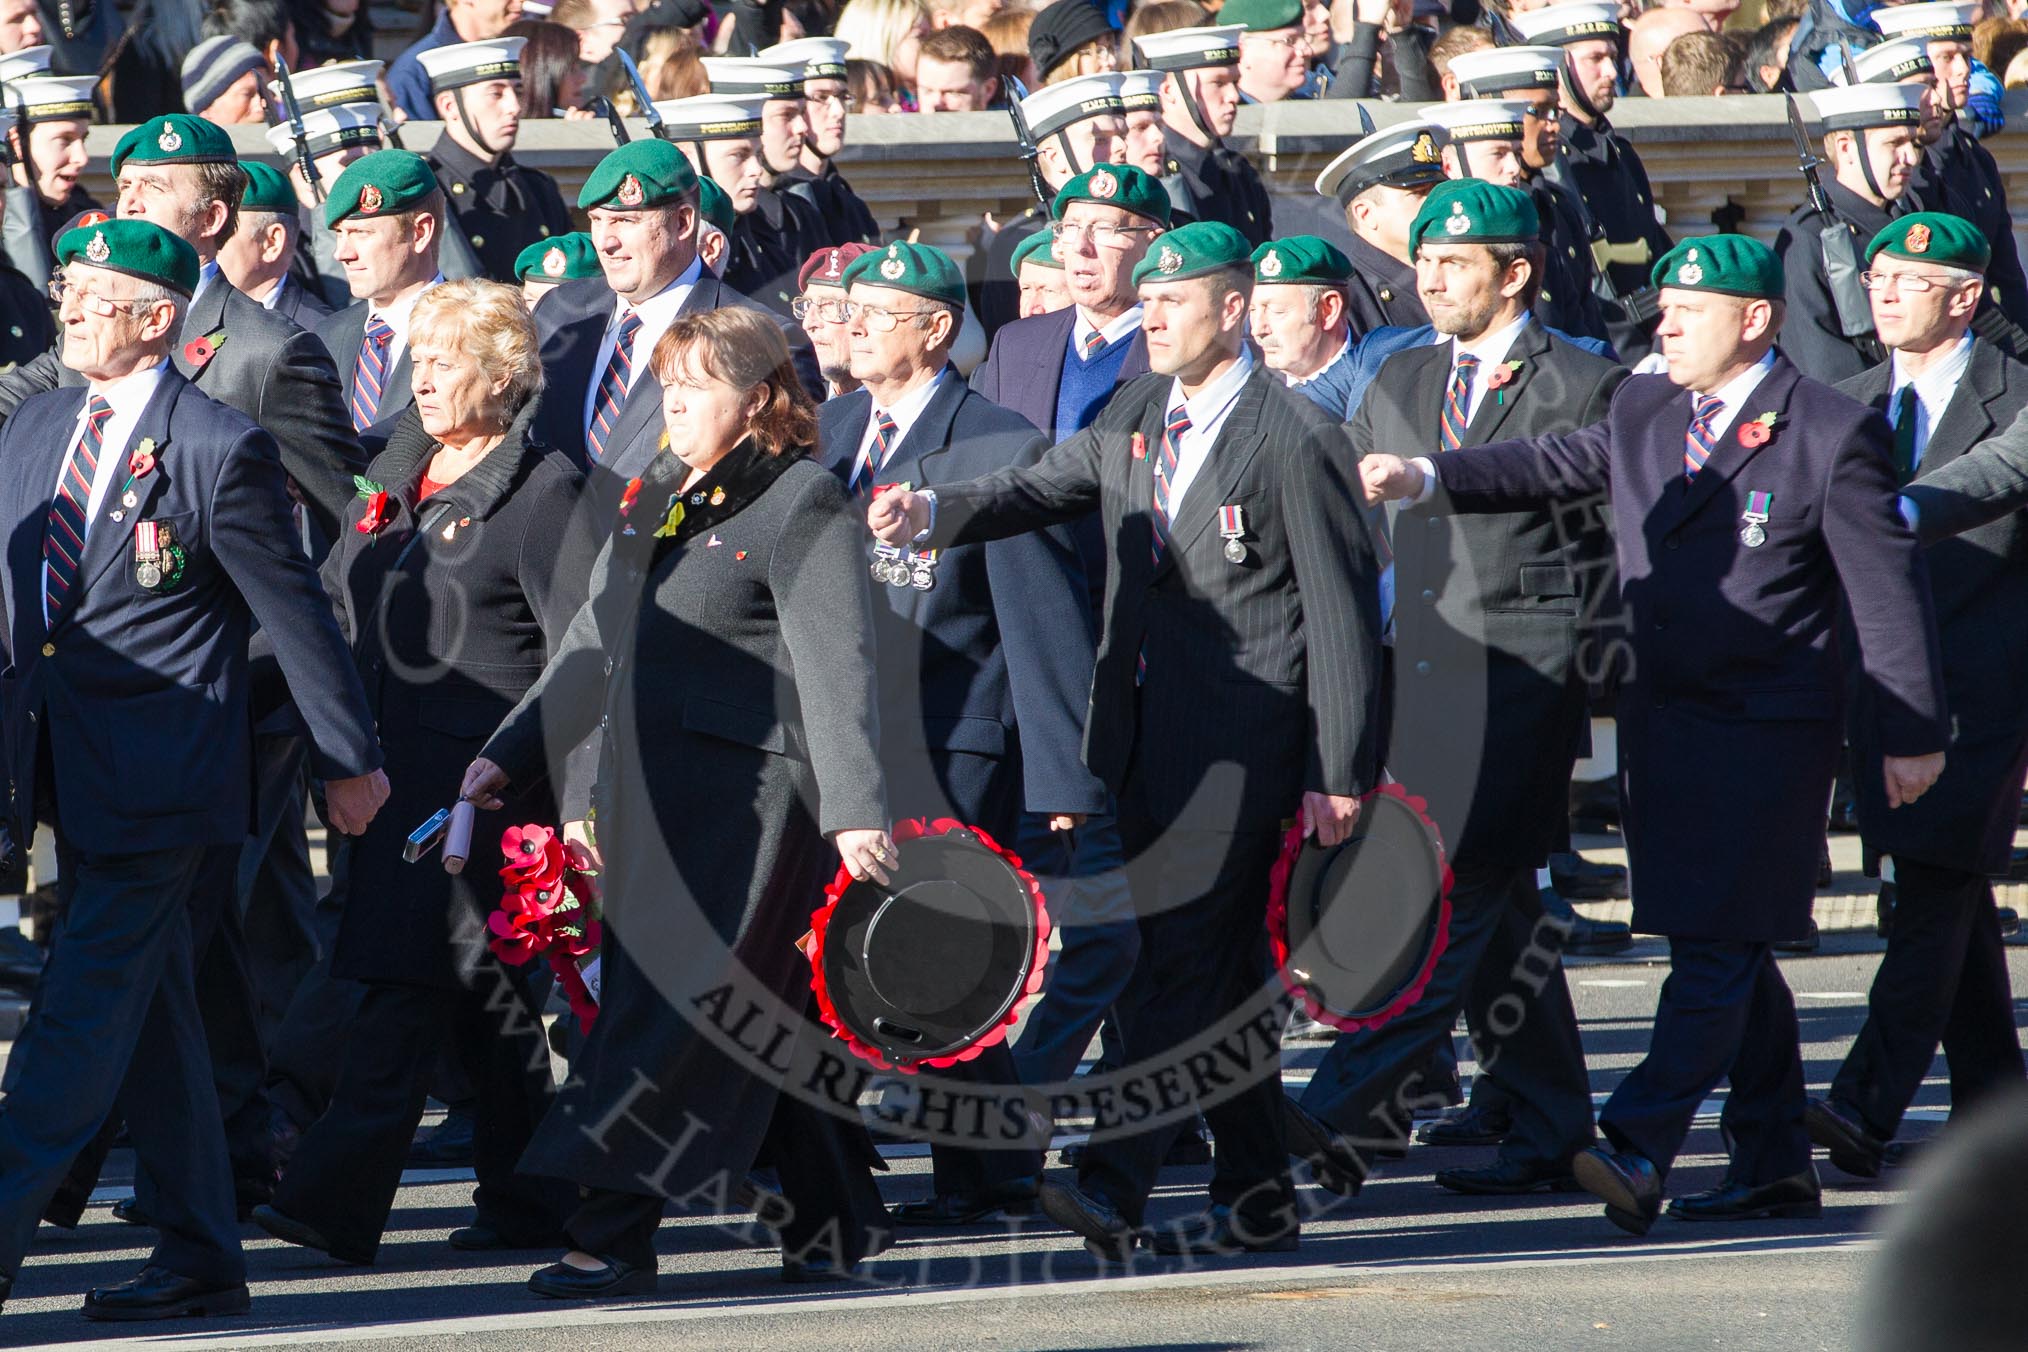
1544,109
844,101
877,319
1295,42
816,307
1915,283
102,306
1074,234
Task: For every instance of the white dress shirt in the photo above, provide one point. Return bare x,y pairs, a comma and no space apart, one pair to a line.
1207,411
396,317
1491,349
1934,389
128,396
657,313
906,412
206,275
1081,329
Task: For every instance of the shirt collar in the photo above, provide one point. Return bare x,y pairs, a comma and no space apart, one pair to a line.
396,316
206,276
1324,370
659,310
1490,348
1205,406
130,394
1130,322
910,406
1936,385
1736,391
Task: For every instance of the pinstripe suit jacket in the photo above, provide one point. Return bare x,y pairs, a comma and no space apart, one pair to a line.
1262,675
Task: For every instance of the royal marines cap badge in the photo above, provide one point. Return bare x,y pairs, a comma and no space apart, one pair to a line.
1458,222
630,192
370,198
891,267
1918,239
1168,261
98,251
1103,184
1691,271
554,263
169,141
1271,266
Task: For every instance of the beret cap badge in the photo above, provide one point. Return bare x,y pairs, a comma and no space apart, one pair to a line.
1691,272
1271,266
1169,261
169,141
630,192
1104,184
98,251
554,263
1918,239
370,198
1458,222
892,267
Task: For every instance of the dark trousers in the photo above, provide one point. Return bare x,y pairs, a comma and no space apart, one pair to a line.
1725,1013
116,1028
1092,910
1202,900
345,1172
1505,963
301,1072
834,1209
278,885
1943,979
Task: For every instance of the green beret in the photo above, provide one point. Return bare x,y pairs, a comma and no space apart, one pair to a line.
644,173
1193,250
1934,237
715,206
384,183
915,268
1116,185
138,248
1304,259
179,138
1473,211
1731,265
267,189
1035,249
1262,16
560,258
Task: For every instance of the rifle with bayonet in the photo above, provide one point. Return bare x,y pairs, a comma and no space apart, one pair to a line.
1840,250
306,163
1014,91
646,104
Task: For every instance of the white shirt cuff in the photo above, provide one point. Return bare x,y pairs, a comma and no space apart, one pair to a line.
928,495
1429,479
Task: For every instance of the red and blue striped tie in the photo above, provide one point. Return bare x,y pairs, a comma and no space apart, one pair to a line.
369,377
876,455
1458,403
1703,438
613,388
1093,341
64,536
1165,470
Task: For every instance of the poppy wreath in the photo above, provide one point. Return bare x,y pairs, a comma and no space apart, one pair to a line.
1278,923
549,910
820,924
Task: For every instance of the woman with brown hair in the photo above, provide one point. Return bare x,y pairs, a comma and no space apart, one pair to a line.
725,665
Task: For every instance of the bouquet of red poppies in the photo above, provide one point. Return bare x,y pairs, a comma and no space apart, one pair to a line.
550,910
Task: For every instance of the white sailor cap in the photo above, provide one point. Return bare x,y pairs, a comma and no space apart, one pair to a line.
333,85
1933,22
329,129
1191,48
24,63
741,77
1856,107
51,98
470,63
712,117
1053,107
1406,155
1494,70
1890,62
1561,25
1479,119
820,58
1140,89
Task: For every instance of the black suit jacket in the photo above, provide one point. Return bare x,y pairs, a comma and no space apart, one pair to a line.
342,334
1729,718
298,306
1024,368
995,660
1489,609
1262,675
268,368
570,324
139,701
1979,581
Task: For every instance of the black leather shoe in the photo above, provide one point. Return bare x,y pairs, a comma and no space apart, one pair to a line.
484,1236
561,1281
21,962
1099,1224
1469,1126
1900,1154
810,1270
159,1293
1854,1149
1508,1178
2010,921
1809,942
1797,1197
1584,936
1013,1198
292,1231
1336,1164
448,1145
1627,1183
1219,1232
1581,879
128,1209
1883,910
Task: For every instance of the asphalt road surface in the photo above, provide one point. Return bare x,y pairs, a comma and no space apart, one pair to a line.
1404,1266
